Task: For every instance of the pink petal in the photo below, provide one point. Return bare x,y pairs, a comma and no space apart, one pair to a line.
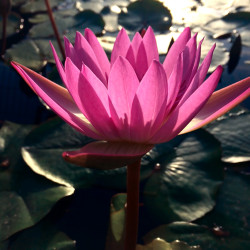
141,62
199,76
71,53
150,46
175,50
58,99
95,104
87,56
59,65
122,87
174,83
183,114
189,54
121,46
136,42
107,155
219,103
72,78
150,102
98,50
196,62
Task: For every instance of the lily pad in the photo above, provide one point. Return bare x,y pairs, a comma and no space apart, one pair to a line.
27,53
13,24
160,244
25,197
185,187
116,232
33,6
43,236
141,14
43,150
233,132
69,25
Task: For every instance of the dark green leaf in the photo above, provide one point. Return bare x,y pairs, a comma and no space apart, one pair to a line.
43,153
185,186
27,53
43,236
25,197
233,131
159,244
141,14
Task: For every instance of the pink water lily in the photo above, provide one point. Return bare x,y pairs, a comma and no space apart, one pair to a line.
134,101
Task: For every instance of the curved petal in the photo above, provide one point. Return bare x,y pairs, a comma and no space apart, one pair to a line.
95,104
182,115
177,47
107,155
98,50
71,53
59,65
141,62
151,98
72,74
122,87
150,46
189,54
174,84
219,103
199,76
121,46
58,99
197,61
87,56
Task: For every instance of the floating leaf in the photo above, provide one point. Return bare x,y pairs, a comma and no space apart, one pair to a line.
27,53
116,232
43,150
160,244
141,14
43,236
233,131
13,24
32,6
25,197
185,186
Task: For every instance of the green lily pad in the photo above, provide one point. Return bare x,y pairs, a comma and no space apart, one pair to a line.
225,227
116,232
231,213
69,25
233,131
13,24
43,236
33,53
160,244
27,53
185,187
25,197
141,14
43,150
33,6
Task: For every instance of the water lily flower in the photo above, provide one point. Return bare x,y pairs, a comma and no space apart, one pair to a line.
133,101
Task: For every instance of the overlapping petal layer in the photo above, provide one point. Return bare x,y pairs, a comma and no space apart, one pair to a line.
133,101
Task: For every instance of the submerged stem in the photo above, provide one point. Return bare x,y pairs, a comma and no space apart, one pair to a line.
52,20
133,182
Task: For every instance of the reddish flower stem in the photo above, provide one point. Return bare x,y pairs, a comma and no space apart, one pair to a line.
133,182
52,20
5,17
